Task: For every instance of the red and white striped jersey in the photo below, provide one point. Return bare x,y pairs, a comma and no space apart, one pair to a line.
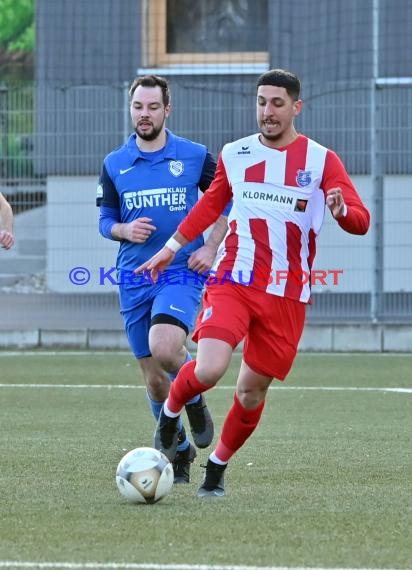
278,210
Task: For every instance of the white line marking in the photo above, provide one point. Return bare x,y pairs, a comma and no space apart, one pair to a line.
150,566
64,353
8,353
132,387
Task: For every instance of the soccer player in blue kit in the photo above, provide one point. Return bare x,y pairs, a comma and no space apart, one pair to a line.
146,188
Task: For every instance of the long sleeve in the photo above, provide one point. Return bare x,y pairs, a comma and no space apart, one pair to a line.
210,206
108,217
357,219
108,201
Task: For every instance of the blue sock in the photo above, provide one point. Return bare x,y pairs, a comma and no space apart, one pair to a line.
172,376
156,408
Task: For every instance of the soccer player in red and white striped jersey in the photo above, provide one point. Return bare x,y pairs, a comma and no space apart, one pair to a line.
280,182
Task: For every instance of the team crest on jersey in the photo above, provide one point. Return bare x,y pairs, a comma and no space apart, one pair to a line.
303,178
176,167
207,313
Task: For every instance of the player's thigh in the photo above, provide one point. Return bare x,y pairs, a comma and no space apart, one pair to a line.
166,339
136,306
251,387
274,334
225,314
213,358
180,302
137,331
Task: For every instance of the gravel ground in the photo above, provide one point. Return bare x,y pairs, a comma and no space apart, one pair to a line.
27,284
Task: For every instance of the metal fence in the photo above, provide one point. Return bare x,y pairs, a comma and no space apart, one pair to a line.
368,124
19,181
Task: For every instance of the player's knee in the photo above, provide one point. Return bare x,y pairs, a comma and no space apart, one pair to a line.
157,387
167,356
250,399
209,374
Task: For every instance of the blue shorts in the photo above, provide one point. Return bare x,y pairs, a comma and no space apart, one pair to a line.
140,305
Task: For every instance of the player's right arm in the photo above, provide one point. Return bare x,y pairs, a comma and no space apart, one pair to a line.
110,222
203,214
164,257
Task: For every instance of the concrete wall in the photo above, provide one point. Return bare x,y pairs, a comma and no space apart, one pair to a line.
316,338
351,254
73,240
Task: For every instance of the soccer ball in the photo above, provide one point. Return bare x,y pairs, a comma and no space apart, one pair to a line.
144,475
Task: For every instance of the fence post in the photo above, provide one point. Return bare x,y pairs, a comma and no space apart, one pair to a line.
377,180
126,115
4,130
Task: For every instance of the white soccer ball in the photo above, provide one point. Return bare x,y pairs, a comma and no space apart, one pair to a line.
144,475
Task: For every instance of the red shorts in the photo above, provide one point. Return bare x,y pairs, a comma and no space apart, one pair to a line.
271,326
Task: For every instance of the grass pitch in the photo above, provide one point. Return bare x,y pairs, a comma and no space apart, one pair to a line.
325,481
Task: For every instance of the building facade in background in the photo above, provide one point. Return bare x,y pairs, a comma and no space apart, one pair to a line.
352,58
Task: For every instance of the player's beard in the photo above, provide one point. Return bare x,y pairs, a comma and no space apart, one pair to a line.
271,137
149,135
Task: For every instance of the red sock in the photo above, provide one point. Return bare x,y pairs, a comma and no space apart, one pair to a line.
239,424
185,387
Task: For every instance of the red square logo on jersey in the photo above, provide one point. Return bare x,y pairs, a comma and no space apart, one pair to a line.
300,205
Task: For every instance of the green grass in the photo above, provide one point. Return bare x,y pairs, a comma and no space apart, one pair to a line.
325,481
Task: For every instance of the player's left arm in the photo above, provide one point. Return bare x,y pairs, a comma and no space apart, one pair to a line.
342,199
206,212
203,258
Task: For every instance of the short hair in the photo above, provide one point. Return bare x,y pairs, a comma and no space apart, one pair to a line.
152,81
281,78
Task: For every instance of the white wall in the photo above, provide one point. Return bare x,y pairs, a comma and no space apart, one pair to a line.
398,233
338,250
73,239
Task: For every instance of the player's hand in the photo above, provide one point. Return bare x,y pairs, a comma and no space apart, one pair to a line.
6,239
335,202
202,259
138,231
157,263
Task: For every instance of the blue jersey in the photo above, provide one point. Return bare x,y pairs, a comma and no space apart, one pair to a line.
162,186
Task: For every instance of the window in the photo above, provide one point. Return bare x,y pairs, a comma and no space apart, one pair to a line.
180,32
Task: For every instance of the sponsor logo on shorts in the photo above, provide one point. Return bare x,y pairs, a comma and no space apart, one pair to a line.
176,308
207,313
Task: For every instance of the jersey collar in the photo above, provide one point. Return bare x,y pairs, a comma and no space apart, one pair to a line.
169,150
